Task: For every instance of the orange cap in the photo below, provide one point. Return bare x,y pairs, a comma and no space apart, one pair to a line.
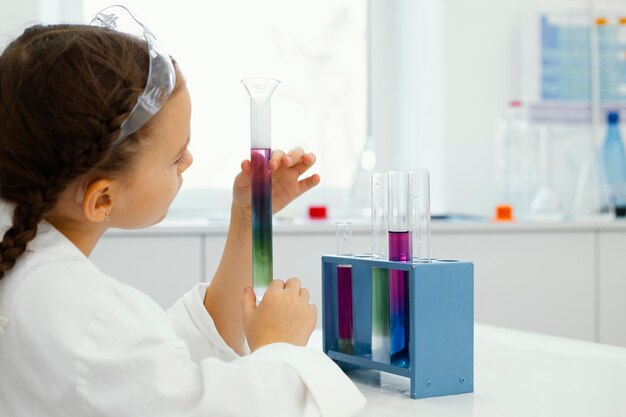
601,21
504,213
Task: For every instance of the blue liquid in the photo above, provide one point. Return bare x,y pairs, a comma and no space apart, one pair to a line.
399,250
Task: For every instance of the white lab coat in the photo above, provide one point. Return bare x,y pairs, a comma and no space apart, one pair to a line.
76,342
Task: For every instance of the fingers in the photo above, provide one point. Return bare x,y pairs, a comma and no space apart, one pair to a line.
246,167
276,159
293,284
276,284
308,183
307,161
293,157
304,293
248,301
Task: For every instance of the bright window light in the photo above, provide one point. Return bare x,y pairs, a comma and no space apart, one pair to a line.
316,49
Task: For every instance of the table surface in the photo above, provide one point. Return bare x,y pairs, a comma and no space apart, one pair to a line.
516,373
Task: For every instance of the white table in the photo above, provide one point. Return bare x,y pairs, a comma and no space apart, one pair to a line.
516,374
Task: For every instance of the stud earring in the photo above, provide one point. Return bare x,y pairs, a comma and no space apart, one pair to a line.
107,216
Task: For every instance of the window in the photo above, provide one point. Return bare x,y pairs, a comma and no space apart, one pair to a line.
317,49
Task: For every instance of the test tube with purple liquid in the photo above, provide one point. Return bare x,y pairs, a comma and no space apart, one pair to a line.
260,91
345,319
400,241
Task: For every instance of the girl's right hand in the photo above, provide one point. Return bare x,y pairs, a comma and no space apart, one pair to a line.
283,315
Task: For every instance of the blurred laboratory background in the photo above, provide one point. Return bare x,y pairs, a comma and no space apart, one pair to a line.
516,107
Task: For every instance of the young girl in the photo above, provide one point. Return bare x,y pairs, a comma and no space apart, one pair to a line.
76,342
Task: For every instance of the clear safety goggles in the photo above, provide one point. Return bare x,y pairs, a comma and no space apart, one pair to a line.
161,75
159,84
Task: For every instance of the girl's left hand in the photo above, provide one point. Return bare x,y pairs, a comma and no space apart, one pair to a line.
286,169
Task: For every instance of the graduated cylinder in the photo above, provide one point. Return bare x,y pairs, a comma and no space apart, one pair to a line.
260,91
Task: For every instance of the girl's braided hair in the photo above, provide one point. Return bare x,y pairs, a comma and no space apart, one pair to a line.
65,90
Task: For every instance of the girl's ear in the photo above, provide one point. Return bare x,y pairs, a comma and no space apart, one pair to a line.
98,201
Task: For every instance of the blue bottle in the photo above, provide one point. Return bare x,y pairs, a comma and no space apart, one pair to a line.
615,164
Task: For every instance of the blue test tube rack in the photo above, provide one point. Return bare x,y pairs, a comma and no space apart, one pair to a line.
441,322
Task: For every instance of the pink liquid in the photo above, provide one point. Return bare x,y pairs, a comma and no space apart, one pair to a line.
400,246
399,250
261,218
345,320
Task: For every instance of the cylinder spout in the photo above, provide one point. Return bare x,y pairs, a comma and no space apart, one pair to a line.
260,91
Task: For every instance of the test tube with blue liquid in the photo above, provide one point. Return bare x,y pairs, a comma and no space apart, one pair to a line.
380,342
260,91
345,318
400,249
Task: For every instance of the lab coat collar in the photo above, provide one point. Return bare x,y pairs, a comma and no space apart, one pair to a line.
48,238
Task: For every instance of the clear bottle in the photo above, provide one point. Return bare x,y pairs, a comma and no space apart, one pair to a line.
517,162
614,160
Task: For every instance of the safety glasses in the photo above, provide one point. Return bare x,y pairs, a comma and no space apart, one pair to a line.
161,75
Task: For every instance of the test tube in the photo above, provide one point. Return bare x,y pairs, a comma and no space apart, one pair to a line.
344,290
380,214
420,201
380,276
400,242
260,91
380,315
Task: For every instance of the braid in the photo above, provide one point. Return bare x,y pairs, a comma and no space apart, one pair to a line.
32,206
24,229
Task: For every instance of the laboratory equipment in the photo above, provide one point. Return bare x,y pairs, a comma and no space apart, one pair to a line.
380,214
400,241
546,205
161,77
260,91
440,333
615,164
420,215
344,289
592,200
411,315
380,341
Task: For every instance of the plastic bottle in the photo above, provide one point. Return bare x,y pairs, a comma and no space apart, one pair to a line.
614,160
517,162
